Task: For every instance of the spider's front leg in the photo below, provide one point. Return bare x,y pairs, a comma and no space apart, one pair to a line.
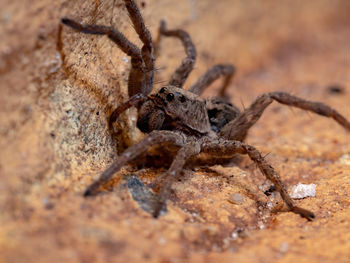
136,73
172,175
142,61
211,75
230,148
147,74
181,73
238,128
154,138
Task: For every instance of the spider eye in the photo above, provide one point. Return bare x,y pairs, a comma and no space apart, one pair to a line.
162,90
170,97
182,98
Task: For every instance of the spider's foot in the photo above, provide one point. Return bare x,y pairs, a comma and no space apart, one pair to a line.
70,23
304,213
158,208
91,190
87,193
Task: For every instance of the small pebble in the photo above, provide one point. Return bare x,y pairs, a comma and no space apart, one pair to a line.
284,247
300,191
234,235
236,199
344,159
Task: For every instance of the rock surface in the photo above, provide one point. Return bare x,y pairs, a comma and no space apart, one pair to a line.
58,88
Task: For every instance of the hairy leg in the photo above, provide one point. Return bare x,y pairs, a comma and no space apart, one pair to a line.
230,148
134,101
117,37
136,81
238,128
147,49
172,175
154,138
142,62
210,76
181,73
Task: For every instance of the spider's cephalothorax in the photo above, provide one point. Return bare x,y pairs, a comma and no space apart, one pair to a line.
172,108
172,115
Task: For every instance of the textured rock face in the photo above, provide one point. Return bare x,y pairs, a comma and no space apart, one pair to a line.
58,88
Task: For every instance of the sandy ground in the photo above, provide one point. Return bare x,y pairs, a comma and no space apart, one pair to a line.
58,88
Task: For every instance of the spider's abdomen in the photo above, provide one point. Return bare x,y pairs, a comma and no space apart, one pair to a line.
220,112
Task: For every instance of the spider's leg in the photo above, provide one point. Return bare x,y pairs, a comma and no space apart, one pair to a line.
117,37
154,138
181,73
147,49
172,175
230,148
238,128
134,101
211,75
136,82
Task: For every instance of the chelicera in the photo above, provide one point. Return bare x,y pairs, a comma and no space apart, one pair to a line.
174,116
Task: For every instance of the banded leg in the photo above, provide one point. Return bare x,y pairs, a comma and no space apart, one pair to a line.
142,62
154,138
238,128
117,37
172,175
211,75
230,148
147,49
136,76
181,73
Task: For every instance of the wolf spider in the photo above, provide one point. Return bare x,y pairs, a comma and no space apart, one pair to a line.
178,117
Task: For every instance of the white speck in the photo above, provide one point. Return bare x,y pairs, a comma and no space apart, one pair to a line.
194,214
261,225
234,235
344,159
236,199
46,201
161,241
125,59
284,247
300,191
269,205
127,154
173,173
193,14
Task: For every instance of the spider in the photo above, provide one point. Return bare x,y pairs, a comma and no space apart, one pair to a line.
180,118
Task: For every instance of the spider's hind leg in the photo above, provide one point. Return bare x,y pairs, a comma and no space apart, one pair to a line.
230,148
238,127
